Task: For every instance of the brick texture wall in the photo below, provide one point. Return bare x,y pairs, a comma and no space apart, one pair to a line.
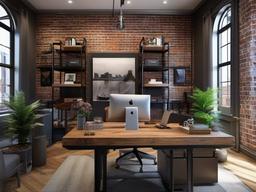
248,73
102,36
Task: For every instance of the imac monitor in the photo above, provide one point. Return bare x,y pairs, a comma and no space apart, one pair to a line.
118,102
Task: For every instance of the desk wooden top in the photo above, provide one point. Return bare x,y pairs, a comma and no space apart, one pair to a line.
115,135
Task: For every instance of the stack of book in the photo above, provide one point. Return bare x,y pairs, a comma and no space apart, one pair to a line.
197,129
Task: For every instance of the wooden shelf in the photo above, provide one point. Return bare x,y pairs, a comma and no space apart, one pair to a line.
45,67
69,68
156,85
159,101
154,48
64,105
62,68
155,68
73,48
68,85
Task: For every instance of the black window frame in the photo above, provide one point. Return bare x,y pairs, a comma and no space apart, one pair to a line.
228,63
10,66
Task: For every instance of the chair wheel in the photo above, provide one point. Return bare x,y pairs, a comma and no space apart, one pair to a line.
141,170
117,166
155,162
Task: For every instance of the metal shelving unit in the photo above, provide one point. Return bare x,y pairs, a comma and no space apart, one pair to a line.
61,92
160,93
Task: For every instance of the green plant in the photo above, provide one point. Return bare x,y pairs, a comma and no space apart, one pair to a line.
203,105
22,117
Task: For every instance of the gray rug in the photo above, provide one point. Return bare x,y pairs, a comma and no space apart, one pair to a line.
128,179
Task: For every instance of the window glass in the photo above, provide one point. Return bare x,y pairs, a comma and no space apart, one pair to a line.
223,54
6,49
229,73
4,55
4,18
4,85
224,60
226,19
229,35
228,52
223,74
4,37
223,38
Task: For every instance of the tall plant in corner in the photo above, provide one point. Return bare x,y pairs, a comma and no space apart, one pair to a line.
203,103
22,117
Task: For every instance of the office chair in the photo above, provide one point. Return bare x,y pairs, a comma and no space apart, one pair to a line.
134,153
129,154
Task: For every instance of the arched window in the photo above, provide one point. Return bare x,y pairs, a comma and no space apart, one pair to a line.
6,56
222,64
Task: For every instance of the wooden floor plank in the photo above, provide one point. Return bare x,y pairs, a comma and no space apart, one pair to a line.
241,165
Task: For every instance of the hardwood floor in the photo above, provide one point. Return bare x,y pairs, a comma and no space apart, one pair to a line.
38,177
241,165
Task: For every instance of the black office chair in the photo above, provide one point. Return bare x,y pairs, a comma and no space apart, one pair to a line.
134,153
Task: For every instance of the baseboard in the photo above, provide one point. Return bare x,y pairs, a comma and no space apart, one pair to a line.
248,151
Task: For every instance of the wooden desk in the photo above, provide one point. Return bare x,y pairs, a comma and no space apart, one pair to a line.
114,136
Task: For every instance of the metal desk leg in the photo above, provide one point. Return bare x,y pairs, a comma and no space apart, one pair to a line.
100,168
104,170
171,186
189,169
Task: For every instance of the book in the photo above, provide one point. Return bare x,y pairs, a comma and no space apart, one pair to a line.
197,129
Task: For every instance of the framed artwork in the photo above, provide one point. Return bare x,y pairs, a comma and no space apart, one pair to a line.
113,75
46,78
70,78
181,76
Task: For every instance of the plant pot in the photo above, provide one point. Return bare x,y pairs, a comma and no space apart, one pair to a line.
81,120
39,144
25,153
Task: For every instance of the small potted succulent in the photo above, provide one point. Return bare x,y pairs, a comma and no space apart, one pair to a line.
84,110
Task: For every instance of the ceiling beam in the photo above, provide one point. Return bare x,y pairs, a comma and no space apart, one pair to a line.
126,12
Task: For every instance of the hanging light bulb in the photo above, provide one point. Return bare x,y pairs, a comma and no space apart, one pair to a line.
121,17
121,20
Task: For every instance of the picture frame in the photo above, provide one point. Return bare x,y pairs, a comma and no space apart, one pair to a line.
107,78
70,78
46,78
181,76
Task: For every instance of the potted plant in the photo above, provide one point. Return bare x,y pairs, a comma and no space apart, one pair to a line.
203,104
21,120
84,110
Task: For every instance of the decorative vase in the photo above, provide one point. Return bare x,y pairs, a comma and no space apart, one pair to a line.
80,121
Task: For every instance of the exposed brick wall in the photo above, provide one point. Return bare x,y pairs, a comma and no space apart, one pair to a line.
102,36
248,73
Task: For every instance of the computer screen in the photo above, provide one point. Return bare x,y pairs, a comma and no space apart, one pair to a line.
118,102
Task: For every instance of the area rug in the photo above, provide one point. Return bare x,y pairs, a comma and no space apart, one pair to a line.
128,179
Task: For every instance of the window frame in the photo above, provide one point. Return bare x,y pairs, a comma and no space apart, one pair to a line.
226,110
11,66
